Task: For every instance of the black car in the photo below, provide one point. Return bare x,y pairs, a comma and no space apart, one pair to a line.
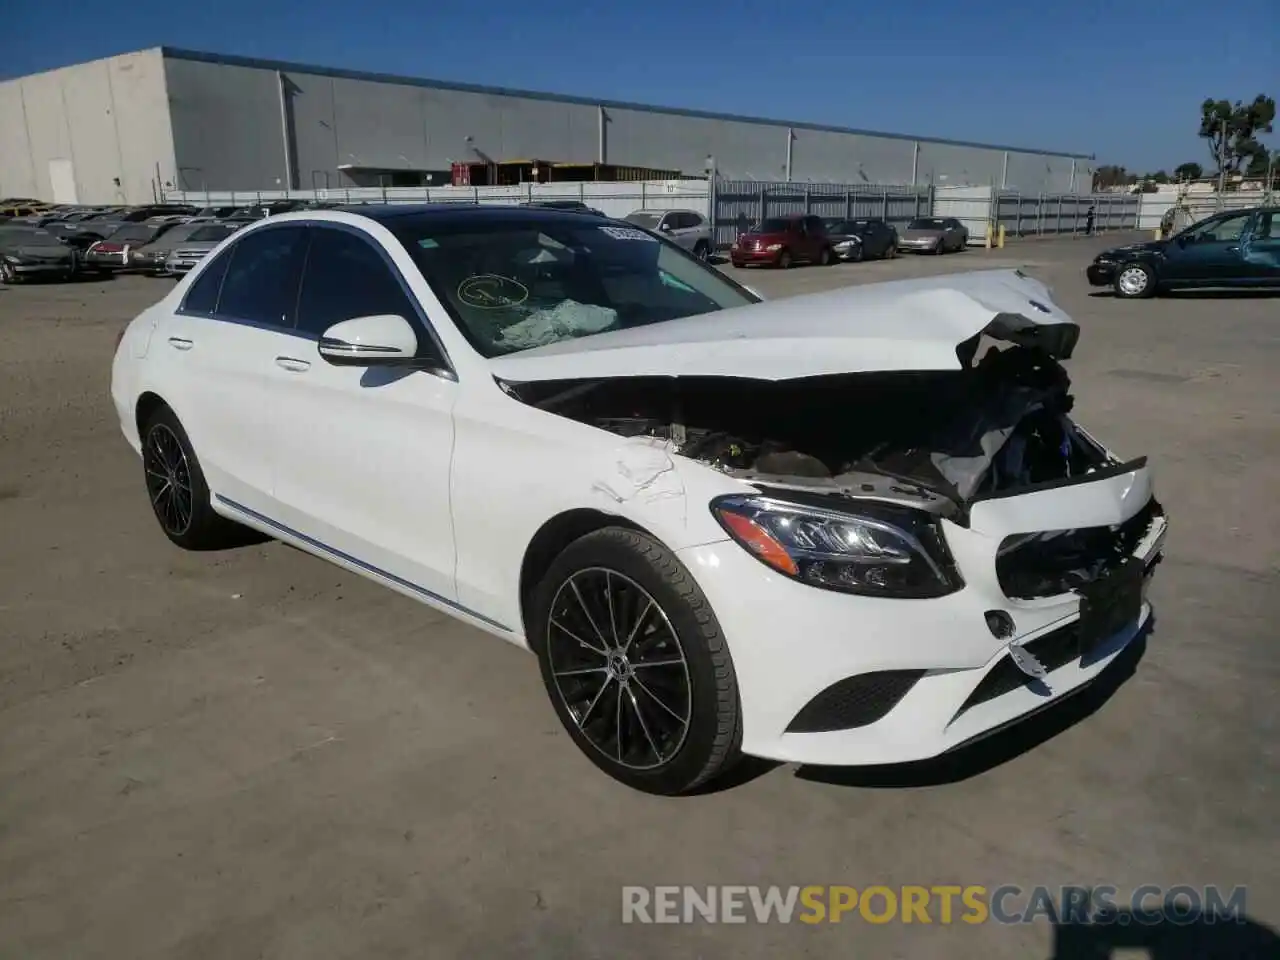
1240,248
862,238
29,252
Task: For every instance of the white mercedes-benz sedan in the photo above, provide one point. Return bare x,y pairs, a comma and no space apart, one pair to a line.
853,527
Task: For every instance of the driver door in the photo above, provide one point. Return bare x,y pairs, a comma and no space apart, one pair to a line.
1261,250
364,453
1209,253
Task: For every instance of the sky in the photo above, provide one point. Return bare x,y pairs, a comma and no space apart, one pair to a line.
1121,81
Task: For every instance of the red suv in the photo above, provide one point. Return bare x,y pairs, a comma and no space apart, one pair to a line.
782,241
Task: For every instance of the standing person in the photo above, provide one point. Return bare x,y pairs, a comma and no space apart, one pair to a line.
1088,221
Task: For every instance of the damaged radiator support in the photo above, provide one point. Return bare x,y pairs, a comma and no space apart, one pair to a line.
933,440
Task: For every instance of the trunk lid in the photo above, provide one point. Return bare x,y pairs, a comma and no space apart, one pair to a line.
928,324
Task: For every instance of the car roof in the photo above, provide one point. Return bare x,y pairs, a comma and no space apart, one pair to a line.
389,214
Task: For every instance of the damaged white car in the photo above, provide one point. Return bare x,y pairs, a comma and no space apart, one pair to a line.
848,528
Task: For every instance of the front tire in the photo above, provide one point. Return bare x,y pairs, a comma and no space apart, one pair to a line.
702,250
177,490
1135,281
784,260
635,664
8,275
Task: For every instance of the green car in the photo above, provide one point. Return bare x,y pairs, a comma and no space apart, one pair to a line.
1240,248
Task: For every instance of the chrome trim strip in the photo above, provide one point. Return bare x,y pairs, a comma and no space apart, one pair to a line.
356,561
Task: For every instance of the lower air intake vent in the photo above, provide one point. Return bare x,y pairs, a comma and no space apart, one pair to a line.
854,701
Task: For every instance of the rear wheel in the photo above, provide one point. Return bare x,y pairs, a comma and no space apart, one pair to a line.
1134,281
177,489
825,257
702,250
635,664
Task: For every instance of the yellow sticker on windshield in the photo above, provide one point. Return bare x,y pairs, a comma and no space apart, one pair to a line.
489,291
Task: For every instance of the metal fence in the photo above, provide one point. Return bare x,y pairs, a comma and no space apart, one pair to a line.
612,199
1041,214
739,203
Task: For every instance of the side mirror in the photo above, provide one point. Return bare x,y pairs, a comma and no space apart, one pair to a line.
380,340
664,227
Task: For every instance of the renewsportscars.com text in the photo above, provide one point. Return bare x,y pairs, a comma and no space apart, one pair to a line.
936,904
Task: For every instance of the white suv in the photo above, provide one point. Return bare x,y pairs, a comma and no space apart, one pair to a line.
685,228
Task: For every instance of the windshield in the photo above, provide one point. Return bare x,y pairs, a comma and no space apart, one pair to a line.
211,233
926,223
848,226
518,283
28,237
649,221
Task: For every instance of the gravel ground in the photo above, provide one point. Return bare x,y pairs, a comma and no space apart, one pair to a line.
255,754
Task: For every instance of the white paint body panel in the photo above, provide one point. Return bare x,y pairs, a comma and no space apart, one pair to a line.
436,486
902,325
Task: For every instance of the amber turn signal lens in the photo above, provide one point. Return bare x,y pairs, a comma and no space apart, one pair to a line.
759,541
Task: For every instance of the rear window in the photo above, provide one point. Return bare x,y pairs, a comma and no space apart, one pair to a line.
133,231
211,233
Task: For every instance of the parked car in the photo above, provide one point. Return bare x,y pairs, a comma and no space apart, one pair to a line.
30,252
586,442
854,240
112,253
783,241
187,253
934,235
684,228
272,208
1240,248
153,256
218,213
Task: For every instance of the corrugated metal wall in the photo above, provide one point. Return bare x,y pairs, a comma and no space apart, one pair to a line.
230,133
109,119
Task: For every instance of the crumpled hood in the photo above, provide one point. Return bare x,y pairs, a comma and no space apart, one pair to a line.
932,323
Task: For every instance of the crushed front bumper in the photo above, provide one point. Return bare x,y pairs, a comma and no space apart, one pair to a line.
942,678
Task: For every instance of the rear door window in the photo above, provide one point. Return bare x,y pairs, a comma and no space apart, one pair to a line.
261,285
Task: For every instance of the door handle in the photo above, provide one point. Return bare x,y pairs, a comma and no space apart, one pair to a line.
293,364
181,343
1233,249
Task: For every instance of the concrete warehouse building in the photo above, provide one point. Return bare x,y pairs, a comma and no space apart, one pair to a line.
123,129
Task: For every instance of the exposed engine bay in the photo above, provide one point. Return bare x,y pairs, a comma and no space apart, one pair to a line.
932,440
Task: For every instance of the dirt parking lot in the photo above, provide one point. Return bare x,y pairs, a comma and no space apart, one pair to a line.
255,754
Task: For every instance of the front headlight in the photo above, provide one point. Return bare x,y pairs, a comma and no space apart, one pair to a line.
845,244
11,259
876,550
774,247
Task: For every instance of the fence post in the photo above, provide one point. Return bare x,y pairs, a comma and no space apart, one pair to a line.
1017,226
1059,227
848,204
808,201
644,194
1039,214
884,204
764,211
